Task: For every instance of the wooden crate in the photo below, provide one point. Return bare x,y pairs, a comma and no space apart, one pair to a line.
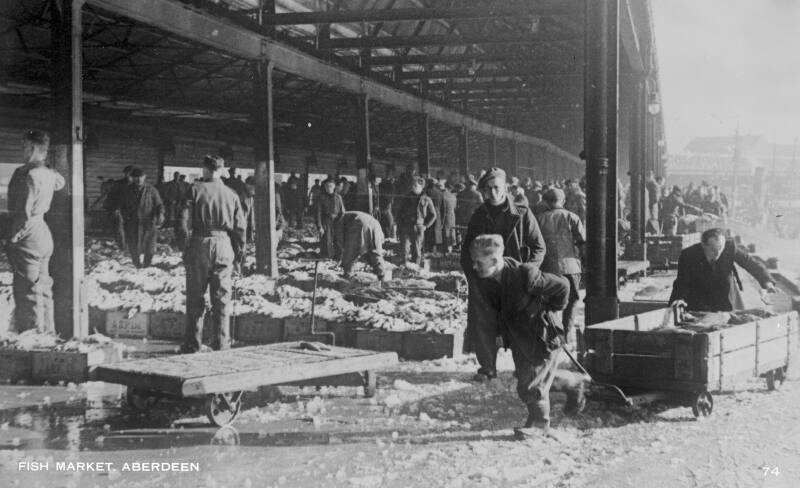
421,346
118,324
97,320
73,367
664,251
258,329
379,340
446,262
16,365
345,332
168,325
637,307
295,328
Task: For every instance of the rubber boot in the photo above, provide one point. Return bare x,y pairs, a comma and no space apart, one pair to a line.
538,421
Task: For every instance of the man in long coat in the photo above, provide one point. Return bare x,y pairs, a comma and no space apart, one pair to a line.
30,193
142,211
433,236
522,241
359,234
449,204
707,277
415,215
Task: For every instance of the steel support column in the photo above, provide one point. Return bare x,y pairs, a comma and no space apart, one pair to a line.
637,166
492,151
514,163
266,233
463,151
424,146
67,210
363,155
601,92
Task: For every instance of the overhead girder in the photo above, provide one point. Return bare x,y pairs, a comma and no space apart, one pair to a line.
490,73
442,40
510,10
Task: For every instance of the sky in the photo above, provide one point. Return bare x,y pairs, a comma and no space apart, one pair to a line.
729,62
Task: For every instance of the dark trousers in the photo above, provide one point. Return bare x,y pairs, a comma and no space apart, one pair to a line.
567,316
142,247
32,286
327,242
387,222
119,229
480,335
209,265
412,241
535,372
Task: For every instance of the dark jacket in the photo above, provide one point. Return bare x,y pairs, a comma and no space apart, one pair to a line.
468,201
329,208
416,211
437,197
386,194
449,204
517,226
528,299
716,290
142,211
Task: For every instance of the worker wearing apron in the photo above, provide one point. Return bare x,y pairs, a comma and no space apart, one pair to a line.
527,302
217,242
30,192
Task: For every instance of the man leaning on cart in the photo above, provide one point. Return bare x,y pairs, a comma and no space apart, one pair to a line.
707,276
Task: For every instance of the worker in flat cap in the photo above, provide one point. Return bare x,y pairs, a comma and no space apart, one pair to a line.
523,242
217,243
30,244
415,215
673,208
142,211
563,233
115,191
330,208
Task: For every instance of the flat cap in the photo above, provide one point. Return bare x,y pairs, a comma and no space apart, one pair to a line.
137,172
490,175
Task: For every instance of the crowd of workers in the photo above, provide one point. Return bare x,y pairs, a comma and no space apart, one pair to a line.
520,244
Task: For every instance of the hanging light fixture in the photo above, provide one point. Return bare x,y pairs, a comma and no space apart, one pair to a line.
654,105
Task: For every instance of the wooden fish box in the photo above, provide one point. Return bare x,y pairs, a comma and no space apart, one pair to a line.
54,366
258,329
379,340
422,346
16,365
295,328
168,325
664,251
97,320
345,332
636,307
630,352
446,262
118,324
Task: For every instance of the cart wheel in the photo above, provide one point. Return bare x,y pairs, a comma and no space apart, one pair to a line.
775,379
703,404
225,436
222,408
370,383
140,399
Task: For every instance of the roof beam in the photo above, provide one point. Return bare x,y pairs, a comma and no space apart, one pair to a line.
425,59
247,44
489,73
442,40
628,37
417,14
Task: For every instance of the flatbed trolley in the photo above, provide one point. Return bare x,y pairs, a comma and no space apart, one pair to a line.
221,377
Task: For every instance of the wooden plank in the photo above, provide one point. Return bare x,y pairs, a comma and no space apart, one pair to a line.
739,337
771,355
737,363
773,327
285,374
653,343
637,307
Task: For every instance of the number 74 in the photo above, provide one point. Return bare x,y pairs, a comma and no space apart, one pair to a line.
770,470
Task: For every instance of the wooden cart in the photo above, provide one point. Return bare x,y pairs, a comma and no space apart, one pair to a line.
221,377
684,367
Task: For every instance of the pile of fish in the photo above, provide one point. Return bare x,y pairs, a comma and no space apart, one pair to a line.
408,302
32,340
